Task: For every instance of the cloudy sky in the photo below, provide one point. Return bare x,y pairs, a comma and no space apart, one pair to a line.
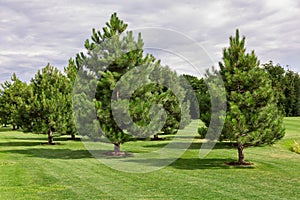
34,33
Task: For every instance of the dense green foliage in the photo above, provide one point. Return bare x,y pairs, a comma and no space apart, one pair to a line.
43,106
112,53
201,105
252,115
48,108
286,85
71,74
13,96
168,92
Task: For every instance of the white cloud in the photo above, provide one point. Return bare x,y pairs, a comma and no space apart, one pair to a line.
34,33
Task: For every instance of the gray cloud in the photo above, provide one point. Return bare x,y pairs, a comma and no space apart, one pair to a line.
34,33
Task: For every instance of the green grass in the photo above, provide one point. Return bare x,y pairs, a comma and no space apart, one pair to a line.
30,170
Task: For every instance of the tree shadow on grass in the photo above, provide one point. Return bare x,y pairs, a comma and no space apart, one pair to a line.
181,163
209,163
31,142
9,129
28,138
42,140
193,145
52,153
45,139
197,163
11,144
191,163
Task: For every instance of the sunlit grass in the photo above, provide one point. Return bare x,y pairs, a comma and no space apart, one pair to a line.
30,170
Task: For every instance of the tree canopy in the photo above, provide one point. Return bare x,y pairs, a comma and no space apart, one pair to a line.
252,115
112,53
48,107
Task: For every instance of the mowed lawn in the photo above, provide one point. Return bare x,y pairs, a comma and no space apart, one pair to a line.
31,170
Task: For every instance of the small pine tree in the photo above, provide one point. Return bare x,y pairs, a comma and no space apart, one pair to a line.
6,103
252,115
13,94
48,108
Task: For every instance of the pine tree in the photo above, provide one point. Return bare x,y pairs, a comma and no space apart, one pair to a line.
106,61
292,94
286,85
13,94
5,105
196,95
252,115
71,73
277,76
112,53
167,92
296,110
48,108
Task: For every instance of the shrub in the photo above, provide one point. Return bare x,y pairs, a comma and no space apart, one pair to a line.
296,147
202,130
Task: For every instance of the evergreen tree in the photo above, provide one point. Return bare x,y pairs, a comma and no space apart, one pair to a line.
107,62
168,92
47,109
5,105
286,86
252,115
198,97
277,76
112,53
71,73
296,110
292,94
201,105
13,94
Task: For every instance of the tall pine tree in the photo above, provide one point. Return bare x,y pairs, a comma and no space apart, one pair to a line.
112,53
252,115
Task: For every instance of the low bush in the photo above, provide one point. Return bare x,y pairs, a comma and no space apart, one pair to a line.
296,147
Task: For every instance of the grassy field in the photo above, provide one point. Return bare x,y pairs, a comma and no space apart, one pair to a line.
30,170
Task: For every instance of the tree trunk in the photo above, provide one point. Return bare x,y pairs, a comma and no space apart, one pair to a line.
241,154
117,148
73,137
50,136
14,127
155,137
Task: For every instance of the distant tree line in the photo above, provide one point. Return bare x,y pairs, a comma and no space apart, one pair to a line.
285,84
